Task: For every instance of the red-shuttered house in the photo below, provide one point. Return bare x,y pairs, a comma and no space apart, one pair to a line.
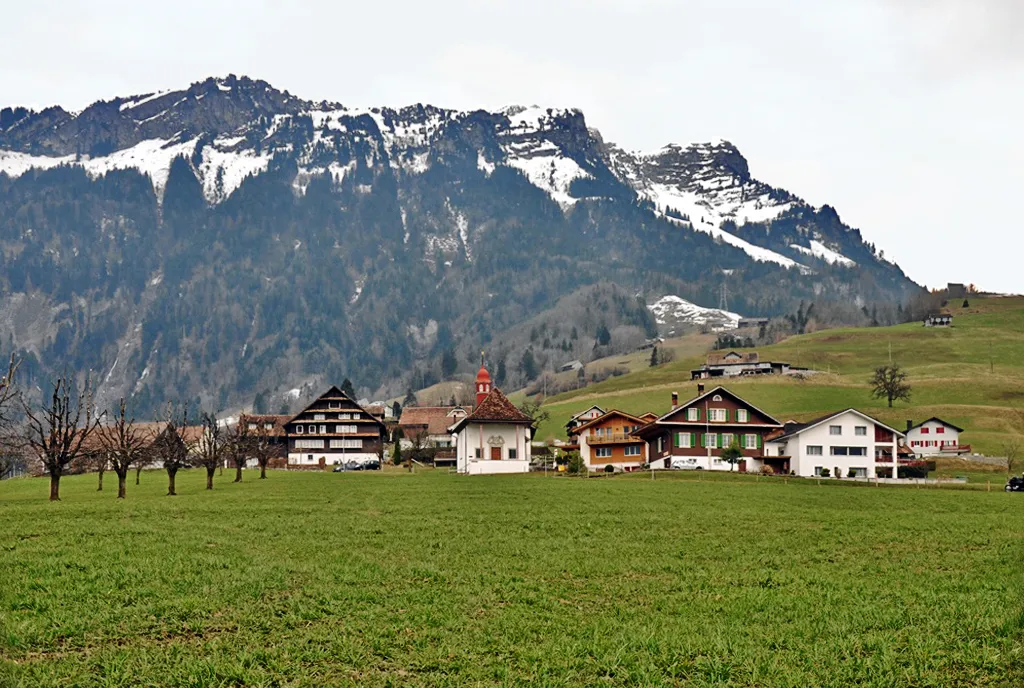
610,440
693,434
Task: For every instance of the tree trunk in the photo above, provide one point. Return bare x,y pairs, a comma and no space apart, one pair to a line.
55,487
170,481
209,477
263,471
238,472
122,479
100,488
138,472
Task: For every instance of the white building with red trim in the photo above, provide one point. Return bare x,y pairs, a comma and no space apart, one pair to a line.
495,437
935,437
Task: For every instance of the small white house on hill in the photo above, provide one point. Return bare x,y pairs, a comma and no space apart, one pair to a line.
934,437
496,437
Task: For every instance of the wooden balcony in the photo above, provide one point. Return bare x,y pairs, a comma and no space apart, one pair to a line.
594,440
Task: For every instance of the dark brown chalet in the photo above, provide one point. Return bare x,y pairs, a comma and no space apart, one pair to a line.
332,430
693,434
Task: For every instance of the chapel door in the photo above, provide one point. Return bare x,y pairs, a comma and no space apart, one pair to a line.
495,453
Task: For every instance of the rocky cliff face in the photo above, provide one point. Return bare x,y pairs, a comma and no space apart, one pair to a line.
231,238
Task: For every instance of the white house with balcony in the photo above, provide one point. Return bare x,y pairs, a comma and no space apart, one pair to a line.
935,437
849,442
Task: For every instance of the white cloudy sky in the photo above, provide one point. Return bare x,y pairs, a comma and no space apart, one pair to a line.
902,114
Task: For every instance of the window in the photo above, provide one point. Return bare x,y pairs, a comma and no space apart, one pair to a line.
861,431
835,430
334,404
839,451
814,450
817,471
312,429
661,444
604,452
683,440
924,431
858,451
718,415
343,429
742,416
750,441
859,472
726,440
476,452
323,429
711,441
298,429
692,414
268,426
633,450
513,454
252,426
309,444
717,397
347,444
319,416
940,431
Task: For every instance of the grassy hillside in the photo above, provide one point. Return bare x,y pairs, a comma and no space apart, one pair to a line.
971,374
431,579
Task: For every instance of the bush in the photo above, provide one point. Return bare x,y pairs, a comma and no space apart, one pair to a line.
609,468
825,473
852,473
767,470
914,469
576,465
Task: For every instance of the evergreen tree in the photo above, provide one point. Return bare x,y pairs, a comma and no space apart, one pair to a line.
528,365
449,363
396,410
499,376
410,398
654,357
603,336
259,404
348,389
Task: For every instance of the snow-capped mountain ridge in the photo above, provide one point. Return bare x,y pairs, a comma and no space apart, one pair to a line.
233,128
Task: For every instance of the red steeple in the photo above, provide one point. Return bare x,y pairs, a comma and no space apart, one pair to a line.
483,383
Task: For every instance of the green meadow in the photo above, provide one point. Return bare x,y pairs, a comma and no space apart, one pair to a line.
431,579
971,374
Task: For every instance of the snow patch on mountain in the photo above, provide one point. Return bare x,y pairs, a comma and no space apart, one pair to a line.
758,253
820,250
222,172
676,312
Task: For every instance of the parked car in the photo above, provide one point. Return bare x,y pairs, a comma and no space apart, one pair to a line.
1015,484
686,465
338,468
371,466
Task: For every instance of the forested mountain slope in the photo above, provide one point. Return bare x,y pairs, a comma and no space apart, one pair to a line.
230,238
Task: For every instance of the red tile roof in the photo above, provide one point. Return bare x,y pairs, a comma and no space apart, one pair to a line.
434,419
496,408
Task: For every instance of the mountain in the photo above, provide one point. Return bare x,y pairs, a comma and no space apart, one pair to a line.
231,239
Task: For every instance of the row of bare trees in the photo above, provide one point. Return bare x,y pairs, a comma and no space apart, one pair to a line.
65,432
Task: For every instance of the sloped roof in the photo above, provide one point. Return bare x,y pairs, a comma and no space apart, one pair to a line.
436,419
720,357
937,420
796,428
335,393
614,412
711,392
495,408
261,419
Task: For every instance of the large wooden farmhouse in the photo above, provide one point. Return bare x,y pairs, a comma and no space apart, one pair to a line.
610,440
333,430
693,434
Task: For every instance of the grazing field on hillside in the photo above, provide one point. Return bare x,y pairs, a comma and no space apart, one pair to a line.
971,374
429,579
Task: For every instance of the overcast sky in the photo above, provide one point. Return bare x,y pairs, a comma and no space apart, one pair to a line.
905,115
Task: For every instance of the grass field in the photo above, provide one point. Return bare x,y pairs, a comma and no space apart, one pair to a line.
309,579
971,374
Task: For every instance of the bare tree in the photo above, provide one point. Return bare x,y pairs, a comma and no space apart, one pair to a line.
1012,449
10,442
173,446
238,446
210,447
261,447
890,382
124,444
95,457
56,433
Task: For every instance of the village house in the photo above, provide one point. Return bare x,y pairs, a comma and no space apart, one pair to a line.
495,437
692,435
939,320
333,430
735,364
848,443
272,428
610,440
576,365
427,426
935,437
574,423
